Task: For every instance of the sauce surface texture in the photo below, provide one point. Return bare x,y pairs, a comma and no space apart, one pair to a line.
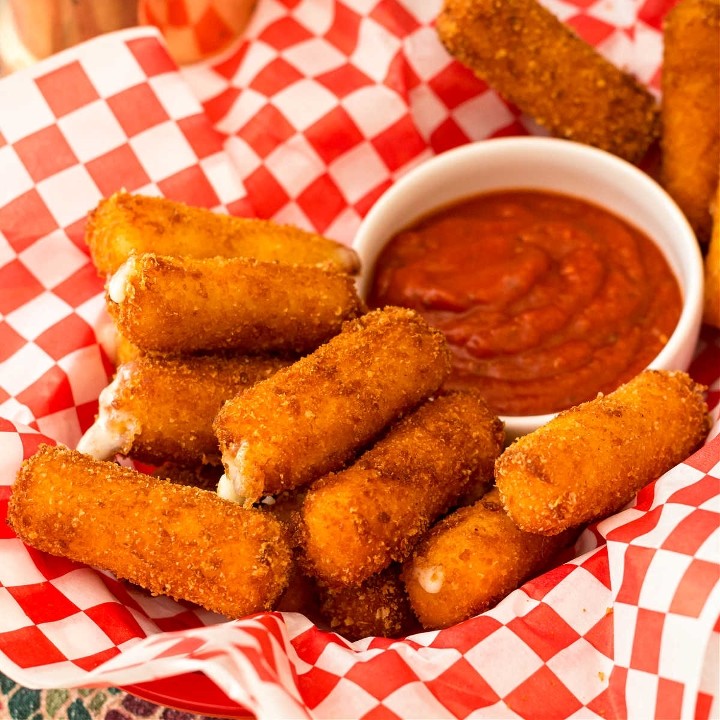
545,299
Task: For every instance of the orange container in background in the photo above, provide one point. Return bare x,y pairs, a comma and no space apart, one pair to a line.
195,29
31,30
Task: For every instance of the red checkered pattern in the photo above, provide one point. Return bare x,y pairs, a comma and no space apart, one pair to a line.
81,126
334,101
308,120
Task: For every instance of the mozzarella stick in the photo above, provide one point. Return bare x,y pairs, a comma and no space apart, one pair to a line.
312,417
532,59
125,351
126,224
378,607
589,461
301,596
205,477
176,305
711,308
161,409
690,109
356,522
471,560
170,539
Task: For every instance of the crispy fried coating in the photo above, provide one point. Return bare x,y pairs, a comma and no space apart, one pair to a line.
690,109
532,59
161,409
126,224
175,305
711,310
378,607
357,521
591,460
312,417
472,559
125,351
167,538
301,596
204,477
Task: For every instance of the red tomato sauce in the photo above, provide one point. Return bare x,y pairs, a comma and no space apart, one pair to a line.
545,299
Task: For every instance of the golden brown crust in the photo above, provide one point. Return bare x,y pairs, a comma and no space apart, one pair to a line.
174,400
125,351
378,607
124,224
591,460
168,538
711,310
310,418
471,560
175,305
690,109
204,477
356,522
532,59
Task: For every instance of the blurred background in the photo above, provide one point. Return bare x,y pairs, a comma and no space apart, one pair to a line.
31,30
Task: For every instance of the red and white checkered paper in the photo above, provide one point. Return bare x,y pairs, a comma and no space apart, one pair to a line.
307,120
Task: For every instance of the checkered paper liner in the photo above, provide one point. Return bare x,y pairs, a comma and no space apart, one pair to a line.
308,120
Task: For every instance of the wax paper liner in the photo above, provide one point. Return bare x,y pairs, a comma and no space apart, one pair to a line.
308,120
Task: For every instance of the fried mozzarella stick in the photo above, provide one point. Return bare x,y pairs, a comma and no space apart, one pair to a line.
310,418
125,351
126,224
175,305
711,309
378,607
170,539
161,409
471,560
690,109
591,460
357,521
539,64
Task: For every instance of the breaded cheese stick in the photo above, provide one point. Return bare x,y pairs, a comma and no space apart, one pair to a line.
711,309
170,539
378,607
472,559
690,109
310,418
301,596
591,460
531,58
174,305
161,409
125,351
357,521
204,477
126,224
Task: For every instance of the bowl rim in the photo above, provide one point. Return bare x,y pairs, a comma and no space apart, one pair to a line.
688,324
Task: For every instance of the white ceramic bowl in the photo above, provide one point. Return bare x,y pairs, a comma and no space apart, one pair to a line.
559,166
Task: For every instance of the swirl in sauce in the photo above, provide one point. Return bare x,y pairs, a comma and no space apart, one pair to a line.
545,299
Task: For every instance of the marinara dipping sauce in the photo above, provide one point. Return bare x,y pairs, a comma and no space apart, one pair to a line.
545,299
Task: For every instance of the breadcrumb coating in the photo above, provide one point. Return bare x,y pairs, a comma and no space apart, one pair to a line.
539,64
126,224
711,309
471,560
378,607
161,409
181,305
312,417
357,521
170,539
589,461
690,109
